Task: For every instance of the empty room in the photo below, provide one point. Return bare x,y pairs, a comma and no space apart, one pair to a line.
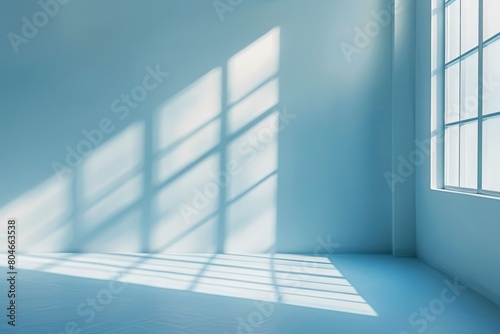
250,166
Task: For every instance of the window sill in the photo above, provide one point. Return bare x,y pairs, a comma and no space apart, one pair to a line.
467,192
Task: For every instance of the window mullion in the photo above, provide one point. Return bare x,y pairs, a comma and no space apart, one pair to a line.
442,126
460,94
480,103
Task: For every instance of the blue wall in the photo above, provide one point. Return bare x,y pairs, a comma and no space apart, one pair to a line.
402,179
457,233
147,182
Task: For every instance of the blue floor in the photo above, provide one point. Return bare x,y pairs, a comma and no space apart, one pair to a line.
227,294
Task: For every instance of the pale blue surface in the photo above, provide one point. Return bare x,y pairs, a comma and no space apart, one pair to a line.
394,288
455,232
329,162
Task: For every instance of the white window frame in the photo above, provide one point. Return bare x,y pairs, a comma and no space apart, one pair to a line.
479,49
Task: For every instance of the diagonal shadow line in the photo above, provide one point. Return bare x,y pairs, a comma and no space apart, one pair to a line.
112,188
200,273
246,259
76,228
437,71
63,220
282,259
113,220
218,148
187,168
270,249
150,273
337,298
253,90
281,271
48,265
437,132
254,186
279,297
178,142
438,10
302,292
252,123
47,228
233,267
187,232
254,268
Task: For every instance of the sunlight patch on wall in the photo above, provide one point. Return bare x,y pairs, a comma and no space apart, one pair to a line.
252,219
43,214
185,211
111,186
256,151
112,163
252,66
254,105
187,126
120,234
115,201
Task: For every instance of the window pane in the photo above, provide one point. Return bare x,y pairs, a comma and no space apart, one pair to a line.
452,105
469,96
491,154
469,24
491,9
468,155
491,75
452,30
452,155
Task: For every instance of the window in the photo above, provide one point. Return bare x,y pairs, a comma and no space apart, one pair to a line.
472,96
